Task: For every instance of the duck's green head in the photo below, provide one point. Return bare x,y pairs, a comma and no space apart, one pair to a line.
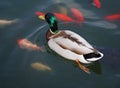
52,21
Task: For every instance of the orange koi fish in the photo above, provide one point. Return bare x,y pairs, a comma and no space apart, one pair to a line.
26,44
113,17
59,16
63,17
40,15
77,14
97,3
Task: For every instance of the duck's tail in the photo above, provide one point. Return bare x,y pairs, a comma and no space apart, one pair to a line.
91,57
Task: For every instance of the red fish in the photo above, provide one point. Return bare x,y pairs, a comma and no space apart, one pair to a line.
77,14
63,17
39,13
59,16
113,17
97,3
26,44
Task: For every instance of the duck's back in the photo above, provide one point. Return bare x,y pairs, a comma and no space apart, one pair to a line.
72,41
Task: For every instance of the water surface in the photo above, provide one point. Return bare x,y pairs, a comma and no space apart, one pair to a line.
15,62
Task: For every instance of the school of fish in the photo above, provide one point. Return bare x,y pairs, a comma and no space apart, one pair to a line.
77,17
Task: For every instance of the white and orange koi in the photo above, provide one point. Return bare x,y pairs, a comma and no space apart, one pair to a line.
26,44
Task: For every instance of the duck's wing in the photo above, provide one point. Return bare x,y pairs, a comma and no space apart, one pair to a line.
73,42
70,45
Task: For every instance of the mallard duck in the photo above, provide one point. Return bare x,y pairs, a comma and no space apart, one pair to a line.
69,44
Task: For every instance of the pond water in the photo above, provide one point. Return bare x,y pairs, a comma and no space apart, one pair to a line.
16,64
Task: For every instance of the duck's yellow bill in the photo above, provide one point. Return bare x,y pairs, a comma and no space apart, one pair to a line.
42,17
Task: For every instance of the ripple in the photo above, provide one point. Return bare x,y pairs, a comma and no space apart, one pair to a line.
102,24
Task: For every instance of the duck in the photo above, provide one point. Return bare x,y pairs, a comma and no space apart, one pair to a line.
69,44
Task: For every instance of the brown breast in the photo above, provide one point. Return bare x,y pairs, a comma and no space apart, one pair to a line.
48,35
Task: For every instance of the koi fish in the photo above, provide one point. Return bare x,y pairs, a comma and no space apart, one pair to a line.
7,22
63,17
40,15
77,14
26,44
40,67
113,17
59,16
97,3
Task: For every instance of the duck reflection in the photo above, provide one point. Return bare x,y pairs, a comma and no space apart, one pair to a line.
95,67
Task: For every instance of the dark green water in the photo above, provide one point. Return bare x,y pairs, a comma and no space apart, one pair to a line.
15,63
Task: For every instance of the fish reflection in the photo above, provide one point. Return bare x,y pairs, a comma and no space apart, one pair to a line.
40,67
26,44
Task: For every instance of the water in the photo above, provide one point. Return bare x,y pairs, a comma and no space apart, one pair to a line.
15,63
